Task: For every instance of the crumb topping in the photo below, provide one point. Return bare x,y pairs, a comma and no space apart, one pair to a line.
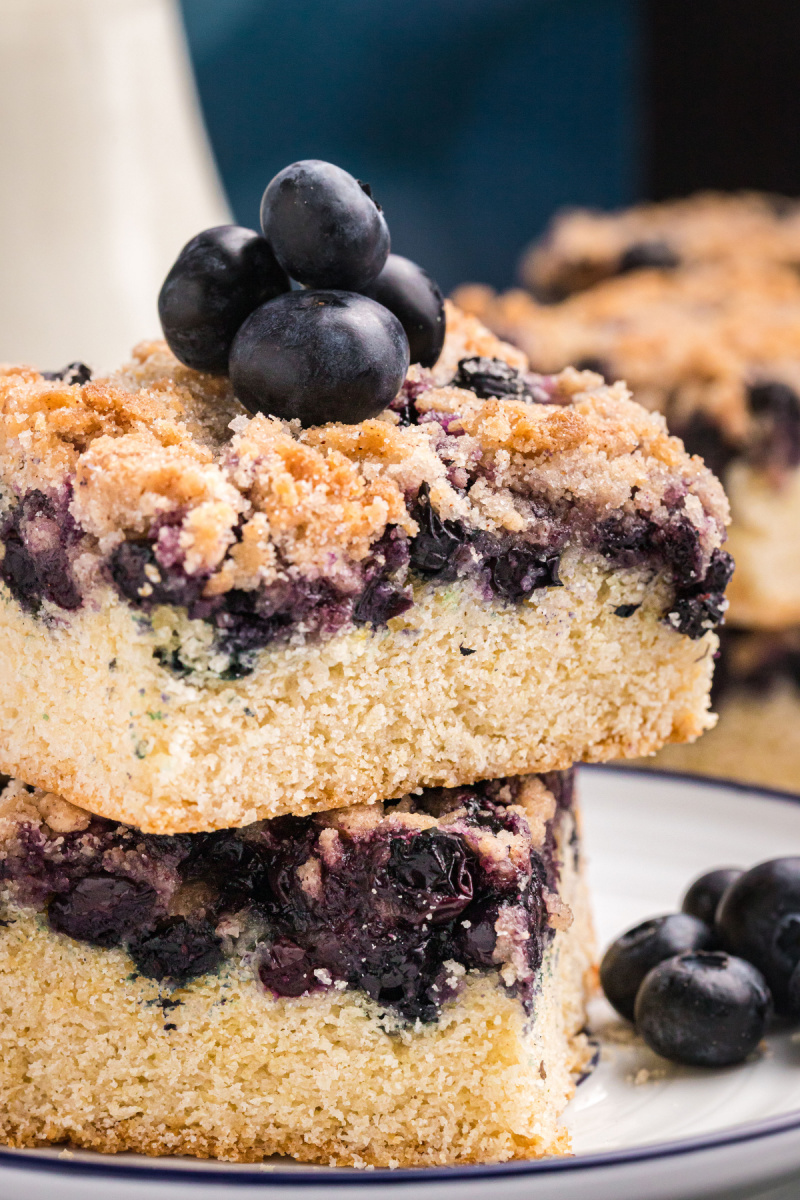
140,455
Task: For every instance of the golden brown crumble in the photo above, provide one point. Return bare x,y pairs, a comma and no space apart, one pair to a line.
141,451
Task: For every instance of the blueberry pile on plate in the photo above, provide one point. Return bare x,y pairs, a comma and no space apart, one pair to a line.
338,347
701,985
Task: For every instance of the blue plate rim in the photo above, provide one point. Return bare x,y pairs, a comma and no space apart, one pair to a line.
267,1177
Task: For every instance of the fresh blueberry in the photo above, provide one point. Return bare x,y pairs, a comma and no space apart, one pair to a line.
318,357
217,280
703,896
794,990
704,1009
410,293
628,959
324,226
177,949
759,919
653,253
102,910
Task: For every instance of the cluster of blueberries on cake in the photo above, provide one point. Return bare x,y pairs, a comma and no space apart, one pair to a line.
701,985
336,348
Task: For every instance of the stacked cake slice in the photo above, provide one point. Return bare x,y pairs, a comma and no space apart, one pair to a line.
295,866
291,695
386,985
505,573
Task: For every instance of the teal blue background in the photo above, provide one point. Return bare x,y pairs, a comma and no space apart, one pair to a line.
472,119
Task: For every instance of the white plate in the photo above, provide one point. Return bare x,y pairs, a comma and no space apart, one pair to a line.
641,1128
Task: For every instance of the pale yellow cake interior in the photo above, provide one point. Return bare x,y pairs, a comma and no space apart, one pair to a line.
88,711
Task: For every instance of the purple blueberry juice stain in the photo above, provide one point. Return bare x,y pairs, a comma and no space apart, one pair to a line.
381,910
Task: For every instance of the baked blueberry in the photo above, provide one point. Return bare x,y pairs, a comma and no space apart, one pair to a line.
74,372
776,440
759,919
286,969
437,542
702,434
410,293
324,226
102,910
775,399
628,959
704,1009
488,377
476,938
591,362
217,280
177,949
652,253
703,896
318,357
517,571
429,873
38,536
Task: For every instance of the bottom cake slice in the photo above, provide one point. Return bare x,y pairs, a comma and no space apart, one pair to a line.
392,986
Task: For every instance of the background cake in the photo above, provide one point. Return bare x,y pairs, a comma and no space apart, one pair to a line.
697,304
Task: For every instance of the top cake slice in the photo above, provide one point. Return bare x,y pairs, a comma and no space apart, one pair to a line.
209,619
